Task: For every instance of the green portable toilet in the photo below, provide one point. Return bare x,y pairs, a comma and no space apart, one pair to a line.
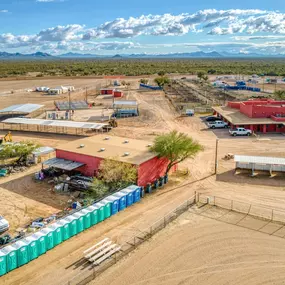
32,243
86,218
3,263
72,225
80,221
101,211
65,229
22,252
107,204
11,257
57,233
49,237
94,214
41,242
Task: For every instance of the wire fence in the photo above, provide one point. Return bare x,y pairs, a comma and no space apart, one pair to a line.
91,272
250,209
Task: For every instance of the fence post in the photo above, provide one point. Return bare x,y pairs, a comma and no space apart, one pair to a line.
214,200
272,215
232,202
164,220
151,231
135,242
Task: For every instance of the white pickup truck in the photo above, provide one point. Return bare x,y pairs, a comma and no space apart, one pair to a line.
240,132
217,125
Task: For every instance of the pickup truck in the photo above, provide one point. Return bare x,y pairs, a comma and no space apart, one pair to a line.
217,125
240,132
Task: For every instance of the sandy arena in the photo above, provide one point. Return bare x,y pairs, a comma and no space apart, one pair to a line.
247,258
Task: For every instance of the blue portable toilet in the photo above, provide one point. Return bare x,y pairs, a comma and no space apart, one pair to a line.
48,237
22,252
124,200
65,229
136,190
57,233
94,214
41,242
86,217
3,263
11,257
80,221
114,204
32,247
72,225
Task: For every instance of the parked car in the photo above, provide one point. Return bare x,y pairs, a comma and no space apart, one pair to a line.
240,132
212,119
217,125
190,112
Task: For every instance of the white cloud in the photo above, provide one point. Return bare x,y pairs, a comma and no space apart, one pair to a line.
4,11
167,24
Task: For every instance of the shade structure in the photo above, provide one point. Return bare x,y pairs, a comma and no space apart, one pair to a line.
49,237
94,214
72,225
114,204
124,200
135,190
21,108
65,228
86,218
57,233
107,208
32,243
22,252
63,164
41,242
3,263
11,257
80,221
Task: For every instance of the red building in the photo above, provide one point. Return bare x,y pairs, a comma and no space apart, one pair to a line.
258,115
114,92
92,150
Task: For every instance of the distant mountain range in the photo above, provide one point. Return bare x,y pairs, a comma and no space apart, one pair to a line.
198,54
17,55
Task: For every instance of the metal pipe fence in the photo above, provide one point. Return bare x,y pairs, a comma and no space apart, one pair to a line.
91,272
251,209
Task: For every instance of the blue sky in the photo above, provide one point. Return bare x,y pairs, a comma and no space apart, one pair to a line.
110,27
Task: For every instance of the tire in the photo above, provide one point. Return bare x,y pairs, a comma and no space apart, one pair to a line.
213,127
234,134
248,134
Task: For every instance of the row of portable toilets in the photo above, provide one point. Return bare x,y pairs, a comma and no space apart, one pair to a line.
30,247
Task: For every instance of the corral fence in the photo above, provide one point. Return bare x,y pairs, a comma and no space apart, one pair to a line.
250,209
91,272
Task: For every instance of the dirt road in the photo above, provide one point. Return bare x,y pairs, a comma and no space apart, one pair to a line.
157,116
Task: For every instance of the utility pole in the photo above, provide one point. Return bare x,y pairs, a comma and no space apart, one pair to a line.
216,156
69,103
86,94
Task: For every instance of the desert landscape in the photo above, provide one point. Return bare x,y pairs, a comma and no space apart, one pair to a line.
208,259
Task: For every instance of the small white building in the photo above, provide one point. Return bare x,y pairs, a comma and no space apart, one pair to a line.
42,89
55,91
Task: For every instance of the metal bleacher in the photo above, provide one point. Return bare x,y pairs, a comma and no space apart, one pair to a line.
101,251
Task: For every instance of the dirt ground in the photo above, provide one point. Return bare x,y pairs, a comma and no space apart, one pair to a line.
158,116
23,199
199,250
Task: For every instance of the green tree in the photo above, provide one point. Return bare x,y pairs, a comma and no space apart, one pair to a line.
161,81
176,147
98,189
144,81
117,174
21,150
161,73
279,94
